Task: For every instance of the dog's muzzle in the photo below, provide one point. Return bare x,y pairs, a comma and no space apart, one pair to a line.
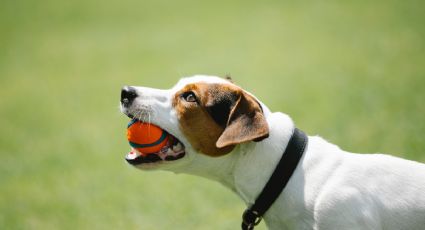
172,151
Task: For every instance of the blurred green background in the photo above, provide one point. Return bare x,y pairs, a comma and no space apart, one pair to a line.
350,71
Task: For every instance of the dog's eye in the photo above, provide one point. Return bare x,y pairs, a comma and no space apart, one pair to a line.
189,96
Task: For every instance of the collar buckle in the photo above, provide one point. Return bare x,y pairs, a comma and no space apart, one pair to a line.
250,219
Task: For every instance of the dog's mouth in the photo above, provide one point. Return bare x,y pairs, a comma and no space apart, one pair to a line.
171,151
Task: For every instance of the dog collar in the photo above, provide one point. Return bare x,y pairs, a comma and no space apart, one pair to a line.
278,180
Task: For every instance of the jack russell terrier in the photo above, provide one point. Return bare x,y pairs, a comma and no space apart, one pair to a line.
226,134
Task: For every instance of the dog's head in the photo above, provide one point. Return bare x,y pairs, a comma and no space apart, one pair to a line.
207,115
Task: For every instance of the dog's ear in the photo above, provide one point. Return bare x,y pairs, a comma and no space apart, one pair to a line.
245,122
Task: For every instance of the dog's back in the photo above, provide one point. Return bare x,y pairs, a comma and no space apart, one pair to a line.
371,191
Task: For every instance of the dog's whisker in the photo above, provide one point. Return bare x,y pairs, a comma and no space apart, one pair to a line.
149,117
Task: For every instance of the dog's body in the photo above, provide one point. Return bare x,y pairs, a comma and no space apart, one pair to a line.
231,137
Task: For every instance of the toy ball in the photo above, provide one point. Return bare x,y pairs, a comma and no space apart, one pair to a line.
145,137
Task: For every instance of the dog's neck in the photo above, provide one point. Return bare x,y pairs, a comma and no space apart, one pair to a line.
248,167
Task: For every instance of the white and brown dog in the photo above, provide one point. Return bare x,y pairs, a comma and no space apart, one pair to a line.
228,135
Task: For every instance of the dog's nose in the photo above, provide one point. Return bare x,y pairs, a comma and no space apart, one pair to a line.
128,94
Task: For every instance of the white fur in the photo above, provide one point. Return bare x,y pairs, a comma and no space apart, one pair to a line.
330,189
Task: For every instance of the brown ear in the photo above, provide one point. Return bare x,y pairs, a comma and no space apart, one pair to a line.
246,122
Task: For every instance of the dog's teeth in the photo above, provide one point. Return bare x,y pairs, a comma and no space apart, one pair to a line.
164,150
169,151
132,155
178,147
135,152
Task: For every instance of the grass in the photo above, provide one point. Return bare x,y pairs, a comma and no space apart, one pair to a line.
350,71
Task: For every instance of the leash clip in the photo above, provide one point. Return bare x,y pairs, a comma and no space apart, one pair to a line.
250,219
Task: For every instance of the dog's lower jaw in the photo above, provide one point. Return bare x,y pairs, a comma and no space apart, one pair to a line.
219,169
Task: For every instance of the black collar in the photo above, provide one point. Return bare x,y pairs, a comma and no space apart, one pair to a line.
278,180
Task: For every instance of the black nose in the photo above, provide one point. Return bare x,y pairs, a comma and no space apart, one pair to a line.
128,94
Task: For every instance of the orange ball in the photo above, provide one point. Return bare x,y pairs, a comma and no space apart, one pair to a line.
146,138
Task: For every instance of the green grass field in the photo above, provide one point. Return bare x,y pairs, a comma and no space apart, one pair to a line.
350,71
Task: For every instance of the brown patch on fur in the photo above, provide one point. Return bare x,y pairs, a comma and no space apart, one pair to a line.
195,122
223,116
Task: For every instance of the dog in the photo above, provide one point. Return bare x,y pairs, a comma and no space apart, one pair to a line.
226,134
